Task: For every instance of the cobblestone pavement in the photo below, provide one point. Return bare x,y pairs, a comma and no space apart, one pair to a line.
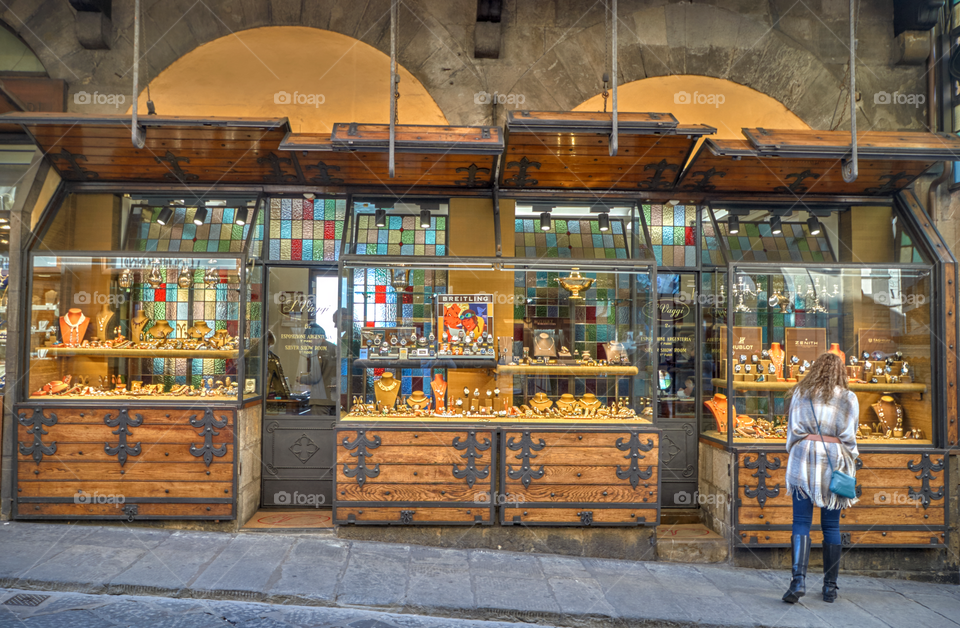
79,610
314,570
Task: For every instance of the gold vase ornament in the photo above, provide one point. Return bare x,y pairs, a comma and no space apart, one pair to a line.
575,283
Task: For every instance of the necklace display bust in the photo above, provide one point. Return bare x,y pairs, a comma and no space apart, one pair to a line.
103,317
386,390
439,387
73,327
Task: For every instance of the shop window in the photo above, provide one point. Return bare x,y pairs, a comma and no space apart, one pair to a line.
219,232
401,232
306,229
783,318
673,233
757,243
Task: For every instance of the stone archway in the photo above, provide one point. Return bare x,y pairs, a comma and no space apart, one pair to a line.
255,75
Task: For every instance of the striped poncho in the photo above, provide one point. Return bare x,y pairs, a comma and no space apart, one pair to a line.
808,472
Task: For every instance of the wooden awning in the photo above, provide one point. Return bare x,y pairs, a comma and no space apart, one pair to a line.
571,150
178,149
445,156
799,163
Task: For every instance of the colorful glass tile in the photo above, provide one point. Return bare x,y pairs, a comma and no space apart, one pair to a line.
570,239
306,230
218,233
673,233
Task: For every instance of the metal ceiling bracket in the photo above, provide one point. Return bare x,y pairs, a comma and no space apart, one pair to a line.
394,79
613,77
849,167
138,135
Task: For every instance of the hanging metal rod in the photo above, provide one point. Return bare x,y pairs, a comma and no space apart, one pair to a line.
393,87
613,76
137,135
849,167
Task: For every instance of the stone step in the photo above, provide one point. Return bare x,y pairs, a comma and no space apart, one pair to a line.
672,516
690,543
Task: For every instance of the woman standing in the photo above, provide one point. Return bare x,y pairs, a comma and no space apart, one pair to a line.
821,397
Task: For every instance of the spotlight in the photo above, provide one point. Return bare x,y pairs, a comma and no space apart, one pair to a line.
545,221
425,219
200,216
604,220
242,214
734,224
776,225
381,218
813,225
165,215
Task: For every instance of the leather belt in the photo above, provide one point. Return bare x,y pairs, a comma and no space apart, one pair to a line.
826,439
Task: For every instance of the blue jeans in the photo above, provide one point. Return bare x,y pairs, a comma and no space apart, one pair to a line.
803,519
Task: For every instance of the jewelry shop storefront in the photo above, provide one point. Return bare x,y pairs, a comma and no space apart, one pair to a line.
516,330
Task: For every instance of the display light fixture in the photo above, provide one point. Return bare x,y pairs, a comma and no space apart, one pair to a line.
776,225
604,220
165,215
813,224
381,218
425,219
242,214
201,215
545,221
733,224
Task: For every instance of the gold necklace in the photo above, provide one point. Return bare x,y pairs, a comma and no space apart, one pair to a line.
386,388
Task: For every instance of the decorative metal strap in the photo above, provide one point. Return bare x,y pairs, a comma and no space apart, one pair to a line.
525,447
361,444
37,450
634,447
472,446
123,423
926,468
209,425
762,465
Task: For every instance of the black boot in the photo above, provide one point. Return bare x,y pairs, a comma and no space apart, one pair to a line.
831,568
801,557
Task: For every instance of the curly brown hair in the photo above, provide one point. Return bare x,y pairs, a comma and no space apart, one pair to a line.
826,374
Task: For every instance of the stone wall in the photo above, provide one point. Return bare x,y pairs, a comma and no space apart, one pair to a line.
716,489
552,54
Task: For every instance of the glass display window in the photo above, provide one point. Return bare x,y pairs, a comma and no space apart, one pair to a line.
416,227
571,230
497,340
111,327
876,318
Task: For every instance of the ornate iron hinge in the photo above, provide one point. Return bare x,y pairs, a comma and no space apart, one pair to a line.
472,446
797,186
81,173
704,185
656,181
406,516
926,468
586,517
324,178
762,465
37,450
634,447
210,426
361,444
471,178
277,174
891,184
174,162
520,179
525,447
123,423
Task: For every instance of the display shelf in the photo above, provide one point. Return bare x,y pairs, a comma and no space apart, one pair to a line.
425,363
861,442
785,386
492,419
106,398
565,369
209,354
